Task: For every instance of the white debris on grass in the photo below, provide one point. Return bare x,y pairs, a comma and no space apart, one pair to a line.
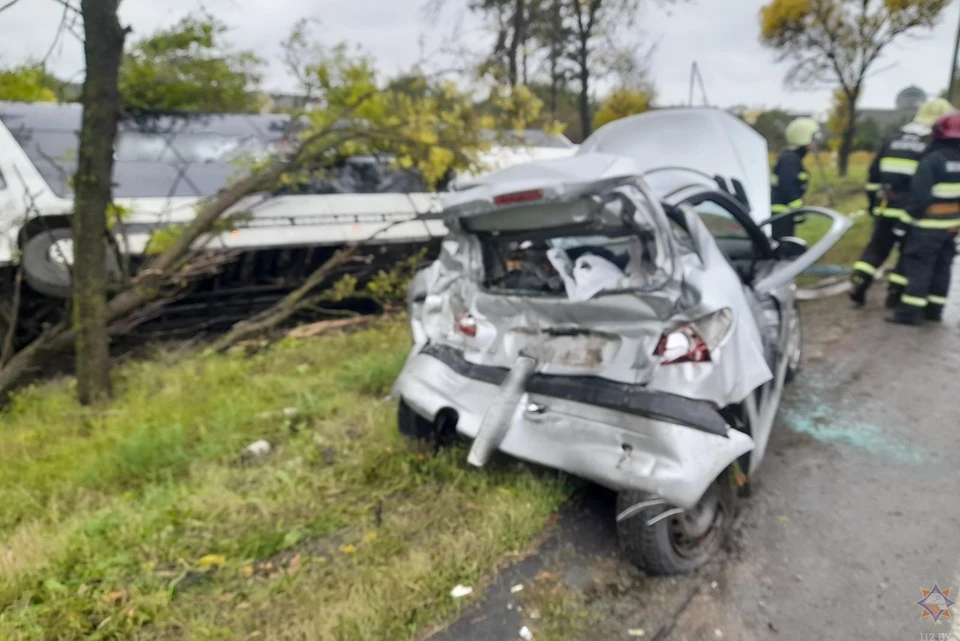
516,588
526,634
460,591
256,449
636,632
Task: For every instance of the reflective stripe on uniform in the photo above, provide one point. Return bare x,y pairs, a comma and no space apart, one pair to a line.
936,223
775,180
866,268
902,166
779,209
795,204
803,176
898,279
873,187
892,212
913,301
946,190
937,300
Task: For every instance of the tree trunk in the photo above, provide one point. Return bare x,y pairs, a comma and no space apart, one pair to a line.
846,143
516,41
103,49
586,126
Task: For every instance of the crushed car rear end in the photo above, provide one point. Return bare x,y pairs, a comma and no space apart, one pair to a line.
564,324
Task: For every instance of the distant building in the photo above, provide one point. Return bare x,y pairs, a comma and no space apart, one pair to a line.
911,98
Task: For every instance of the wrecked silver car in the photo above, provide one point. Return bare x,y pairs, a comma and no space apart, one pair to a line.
622,320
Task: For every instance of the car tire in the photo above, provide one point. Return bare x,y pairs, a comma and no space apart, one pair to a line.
794,349
41,273
52,278
657,549
414,426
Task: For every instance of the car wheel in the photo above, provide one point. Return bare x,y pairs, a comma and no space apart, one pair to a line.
678,543
47,261
794,346
44,268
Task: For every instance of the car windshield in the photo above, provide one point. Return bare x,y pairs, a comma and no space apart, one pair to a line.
155,156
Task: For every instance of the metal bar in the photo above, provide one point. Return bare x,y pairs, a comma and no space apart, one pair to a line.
664,515
634,509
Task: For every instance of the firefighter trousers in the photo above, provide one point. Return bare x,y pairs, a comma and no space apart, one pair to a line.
888,232
928,258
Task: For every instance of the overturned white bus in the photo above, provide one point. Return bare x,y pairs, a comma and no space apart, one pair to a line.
166,163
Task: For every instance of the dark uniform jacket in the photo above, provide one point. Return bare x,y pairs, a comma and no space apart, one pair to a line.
790,181
892,169
935,190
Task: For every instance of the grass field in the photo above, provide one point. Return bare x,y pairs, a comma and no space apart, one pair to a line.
140,520
848,197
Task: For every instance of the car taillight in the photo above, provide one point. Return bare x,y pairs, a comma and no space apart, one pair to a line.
466,324
683,345
693,342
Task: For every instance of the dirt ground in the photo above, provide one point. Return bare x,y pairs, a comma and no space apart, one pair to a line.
853,512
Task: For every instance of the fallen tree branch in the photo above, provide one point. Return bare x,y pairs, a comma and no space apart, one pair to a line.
322,327
296,300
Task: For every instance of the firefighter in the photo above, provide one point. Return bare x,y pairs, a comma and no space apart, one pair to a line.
888,186
934,205
790,180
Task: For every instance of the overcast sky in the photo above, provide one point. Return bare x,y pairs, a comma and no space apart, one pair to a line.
721,35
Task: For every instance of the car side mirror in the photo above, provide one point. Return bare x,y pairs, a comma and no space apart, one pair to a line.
790,248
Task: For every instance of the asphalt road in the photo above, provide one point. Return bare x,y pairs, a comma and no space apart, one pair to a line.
854,511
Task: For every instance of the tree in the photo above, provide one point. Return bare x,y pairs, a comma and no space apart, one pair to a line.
839,120
837,42
620,104
93,187
29,83
435,131
189,67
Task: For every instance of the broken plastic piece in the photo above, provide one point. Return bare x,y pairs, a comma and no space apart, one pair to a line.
516,588
460,591
636,632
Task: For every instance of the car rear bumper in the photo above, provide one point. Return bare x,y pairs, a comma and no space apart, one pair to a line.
621,437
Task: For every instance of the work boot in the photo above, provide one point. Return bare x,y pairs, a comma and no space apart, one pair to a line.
894,292
933,313
858,293
907,315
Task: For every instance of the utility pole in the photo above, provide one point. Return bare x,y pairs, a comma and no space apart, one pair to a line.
951,89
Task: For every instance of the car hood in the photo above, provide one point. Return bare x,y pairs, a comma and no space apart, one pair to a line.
669,142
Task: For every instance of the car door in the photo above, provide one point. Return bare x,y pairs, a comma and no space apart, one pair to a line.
768,275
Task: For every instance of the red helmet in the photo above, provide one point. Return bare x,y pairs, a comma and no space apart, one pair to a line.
948,127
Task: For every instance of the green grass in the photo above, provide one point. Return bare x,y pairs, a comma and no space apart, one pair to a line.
138,520
849,197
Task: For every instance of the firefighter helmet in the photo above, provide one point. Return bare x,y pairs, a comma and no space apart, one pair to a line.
932,110
948,127
802,131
